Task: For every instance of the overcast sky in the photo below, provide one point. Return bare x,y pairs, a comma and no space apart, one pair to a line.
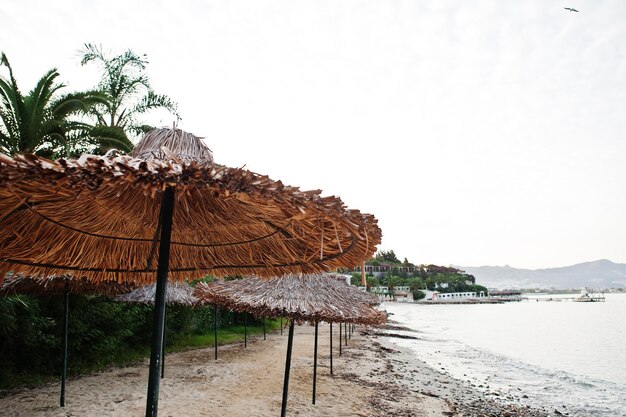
478,132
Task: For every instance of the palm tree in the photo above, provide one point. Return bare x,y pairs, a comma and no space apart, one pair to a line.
127,90
47,123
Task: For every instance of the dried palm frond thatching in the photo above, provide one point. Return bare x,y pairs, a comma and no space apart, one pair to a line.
56,285
176,293
299,297
174,146
96,217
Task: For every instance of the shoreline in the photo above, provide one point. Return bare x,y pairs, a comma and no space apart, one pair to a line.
462,397
373,377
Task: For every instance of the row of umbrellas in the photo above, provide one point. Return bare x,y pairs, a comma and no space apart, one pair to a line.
312,298
167,212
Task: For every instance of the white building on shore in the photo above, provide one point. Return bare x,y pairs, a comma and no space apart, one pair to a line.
451,296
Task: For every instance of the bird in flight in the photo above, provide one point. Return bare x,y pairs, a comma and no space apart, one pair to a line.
571,9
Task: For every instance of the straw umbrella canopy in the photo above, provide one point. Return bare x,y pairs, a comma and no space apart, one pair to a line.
176,293
113,218
60,285
311,297
98,217
314,297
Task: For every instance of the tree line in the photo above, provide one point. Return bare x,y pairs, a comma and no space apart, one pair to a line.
423,277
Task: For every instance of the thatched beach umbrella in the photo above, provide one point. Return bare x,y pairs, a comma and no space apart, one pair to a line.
176,293
113,218
356,295
60,285
312,297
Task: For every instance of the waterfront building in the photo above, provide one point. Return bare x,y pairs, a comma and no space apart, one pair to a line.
445,296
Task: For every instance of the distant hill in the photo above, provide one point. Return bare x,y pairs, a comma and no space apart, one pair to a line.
597,274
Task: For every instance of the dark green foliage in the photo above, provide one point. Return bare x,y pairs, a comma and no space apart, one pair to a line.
356,279
418,295
457,282
46,122
26,333
372,282
387,256
101,333
394,281
421,277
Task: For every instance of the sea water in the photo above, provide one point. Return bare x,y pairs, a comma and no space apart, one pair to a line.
564,355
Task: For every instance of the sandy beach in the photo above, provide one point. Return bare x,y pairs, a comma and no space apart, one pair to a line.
373,377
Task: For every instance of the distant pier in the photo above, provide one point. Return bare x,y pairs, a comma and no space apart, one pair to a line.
584,297
589,299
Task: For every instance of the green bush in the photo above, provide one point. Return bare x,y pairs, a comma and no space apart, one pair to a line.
101,333
418,295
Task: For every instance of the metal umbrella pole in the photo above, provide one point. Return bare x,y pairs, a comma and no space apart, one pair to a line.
345,334
264,335
163,347
315,363
331,348
245,330
165,220
281,326
66,315
215,330
340,326
283,407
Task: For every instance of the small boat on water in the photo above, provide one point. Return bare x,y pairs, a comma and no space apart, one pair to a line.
585,297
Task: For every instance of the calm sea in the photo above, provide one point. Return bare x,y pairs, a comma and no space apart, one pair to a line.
558,353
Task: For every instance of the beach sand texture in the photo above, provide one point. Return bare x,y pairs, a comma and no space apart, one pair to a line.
245,382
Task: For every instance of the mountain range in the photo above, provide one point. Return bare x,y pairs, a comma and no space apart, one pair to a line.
600,274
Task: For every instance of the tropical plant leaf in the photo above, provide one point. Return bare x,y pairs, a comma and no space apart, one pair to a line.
126,87
107,137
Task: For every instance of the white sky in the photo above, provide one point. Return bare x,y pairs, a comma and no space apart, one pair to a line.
478,132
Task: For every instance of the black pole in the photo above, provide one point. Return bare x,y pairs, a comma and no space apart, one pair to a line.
245,330
315,364
164,340
264,336
345,334
66,313
215,330
283,408
166,214
340,326
349,331
331,348
281,326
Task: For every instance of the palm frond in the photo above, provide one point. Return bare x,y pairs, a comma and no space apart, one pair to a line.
80,102
156,101
127,88
91,53
107,137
